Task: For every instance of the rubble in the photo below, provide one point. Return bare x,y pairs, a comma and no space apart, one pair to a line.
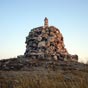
47,42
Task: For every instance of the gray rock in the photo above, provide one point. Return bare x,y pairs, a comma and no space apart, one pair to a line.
55,57
47,40
41,44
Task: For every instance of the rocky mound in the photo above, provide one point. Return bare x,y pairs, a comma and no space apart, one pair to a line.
29,64
45,45
47,42
46,63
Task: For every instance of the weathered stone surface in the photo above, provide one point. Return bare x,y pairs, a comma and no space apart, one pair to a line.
47,40
55,57
41,44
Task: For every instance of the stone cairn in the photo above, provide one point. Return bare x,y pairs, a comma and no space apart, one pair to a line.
47,42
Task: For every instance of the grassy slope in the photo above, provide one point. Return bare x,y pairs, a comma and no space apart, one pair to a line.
44,78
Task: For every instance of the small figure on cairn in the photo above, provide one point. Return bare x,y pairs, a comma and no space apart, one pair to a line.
46,22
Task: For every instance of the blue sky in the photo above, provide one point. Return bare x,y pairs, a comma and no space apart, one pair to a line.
17,17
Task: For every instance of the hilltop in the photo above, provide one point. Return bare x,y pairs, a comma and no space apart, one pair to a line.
37,73
46,63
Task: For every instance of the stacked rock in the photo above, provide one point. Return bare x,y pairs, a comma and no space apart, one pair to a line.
47,42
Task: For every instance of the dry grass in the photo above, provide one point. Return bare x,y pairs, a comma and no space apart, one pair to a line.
38,79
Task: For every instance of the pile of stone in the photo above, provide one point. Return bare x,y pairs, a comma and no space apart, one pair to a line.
26,64
47,42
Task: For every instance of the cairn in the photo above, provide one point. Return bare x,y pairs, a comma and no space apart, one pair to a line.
47,42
